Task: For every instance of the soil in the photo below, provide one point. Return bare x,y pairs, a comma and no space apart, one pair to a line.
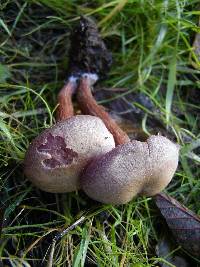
88,53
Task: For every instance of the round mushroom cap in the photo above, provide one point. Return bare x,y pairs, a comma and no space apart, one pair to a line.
164,156
55,159
131,169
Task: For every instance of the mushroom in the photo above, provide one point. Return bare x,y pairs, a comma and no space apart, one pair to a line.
130,169
55,159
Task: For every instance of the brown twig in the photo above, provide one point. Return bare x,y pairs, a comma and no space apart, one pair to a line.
88,105
58,237
65,108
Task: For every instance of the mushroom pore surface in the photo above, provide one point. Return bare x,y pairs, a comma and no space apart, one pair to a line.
131,169
55,159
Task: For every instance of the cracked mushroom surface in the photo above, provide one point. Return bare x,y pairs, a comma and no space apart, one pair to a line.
131,169
55,159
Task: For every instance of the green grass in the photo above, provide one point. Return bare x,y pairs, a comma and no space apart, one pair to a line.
151,42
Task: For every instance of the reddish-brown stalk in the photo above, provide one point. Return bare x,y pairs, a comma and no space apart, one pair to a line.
88,105
65,105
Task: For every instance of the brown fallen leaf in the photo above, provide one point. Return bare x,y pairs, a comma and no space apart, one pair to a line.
128,106
184,224
130,109
129,127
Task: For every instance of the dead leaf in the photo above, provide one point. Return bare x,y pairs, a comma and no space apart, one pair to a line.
184,224
130,109
131,106
129,127
124,110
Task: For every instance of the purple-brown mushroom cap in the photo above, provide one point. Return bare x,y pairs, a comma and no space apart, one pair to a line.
55,159
131,169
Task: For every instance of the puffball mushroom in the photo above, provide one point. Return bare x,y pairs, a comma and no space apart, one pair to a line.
55,159
131,169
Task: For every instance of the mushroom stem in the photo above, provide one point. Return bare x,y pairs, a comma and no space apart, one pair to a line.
88,105
65,105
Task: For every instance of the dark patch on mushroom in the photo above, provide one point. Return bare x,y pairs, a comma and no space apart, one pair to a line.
55,146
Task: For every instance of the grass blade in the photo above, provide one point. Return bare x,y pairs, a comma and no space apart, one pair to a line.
170,87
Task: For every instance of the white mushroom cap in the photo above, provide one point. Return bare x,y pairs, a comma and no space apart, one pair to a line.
55,159
131,169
